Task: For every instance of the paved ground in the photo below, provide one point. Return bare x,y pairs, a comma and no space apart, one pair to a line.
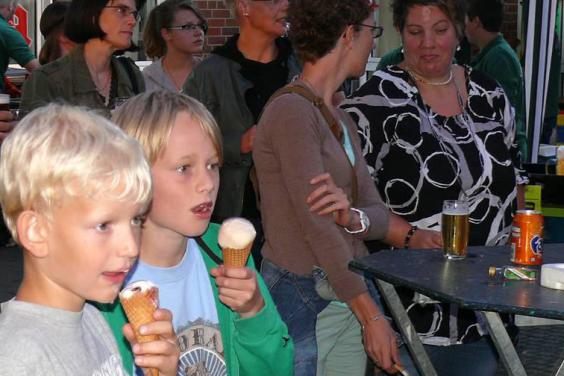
541,348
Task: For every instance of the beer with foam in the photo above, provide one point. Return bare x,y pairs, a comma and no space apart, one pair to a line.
455,229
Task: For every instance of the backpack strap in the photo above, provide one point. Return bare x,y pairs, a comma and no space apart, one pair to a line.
208,250
333,124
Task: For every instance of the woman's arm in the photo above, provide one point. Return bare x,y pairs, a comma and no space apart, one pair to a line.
295,134
379,339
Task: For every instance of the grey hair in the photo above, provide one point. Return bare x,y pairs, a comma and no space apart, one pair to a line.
230,5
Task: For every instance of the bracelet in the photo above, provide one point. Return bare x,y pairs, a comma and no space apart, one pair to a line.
409,236
364,222
373,318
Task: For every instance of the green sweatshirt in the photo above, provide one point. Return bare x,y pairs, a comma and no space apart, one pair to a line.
499,61
258,345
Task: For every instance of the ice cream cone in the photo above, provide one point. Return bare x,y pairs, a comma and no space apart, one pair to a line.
236,258
140,300
235,238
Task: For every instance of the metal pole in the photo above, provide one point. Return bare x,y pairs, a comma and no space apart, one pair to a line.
409,334
504,346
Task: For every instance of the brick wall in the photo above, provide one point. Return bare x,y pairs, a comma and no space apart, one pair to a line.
221,25
509,28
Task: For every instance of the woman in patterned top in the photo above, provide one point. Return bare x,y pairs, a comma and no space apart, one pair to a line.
431,131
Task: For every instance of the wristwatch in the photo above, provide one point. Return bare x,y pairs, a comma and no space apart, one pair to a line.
364,222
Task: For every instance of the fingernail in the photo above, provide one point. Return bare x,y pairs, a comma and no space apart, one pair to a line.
143,330
135,348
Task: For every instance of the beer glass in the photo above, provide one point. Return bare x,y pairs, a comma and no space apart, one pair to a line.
4,102
455,229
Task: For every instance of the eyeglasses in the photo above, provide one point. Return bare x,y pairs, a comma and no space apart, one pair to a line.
124,11
376,30
191,27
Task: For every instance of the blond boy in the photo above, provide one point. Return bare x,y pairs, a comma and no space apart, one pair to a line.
225,319
73,190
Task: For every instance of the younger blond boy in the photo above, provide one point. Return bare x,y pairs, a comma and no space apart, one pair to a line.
73,190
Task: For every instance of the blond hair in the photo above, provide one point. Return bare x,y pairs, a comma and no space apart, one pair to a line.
149,118
59,151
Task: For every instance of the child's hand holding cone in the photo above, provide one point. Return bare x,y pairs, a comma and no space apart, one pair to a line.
237,285
150,329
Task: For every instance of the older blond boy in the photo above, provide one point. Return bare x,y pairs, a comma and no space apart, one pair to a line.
73,189
225,319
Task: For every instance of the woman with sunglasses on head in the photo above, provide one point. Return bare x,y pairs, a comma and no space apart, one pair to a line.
234,83
174,34
90,75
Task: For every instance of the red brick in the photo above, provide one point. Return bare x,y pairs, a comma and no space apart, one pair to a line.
214,31
206,13
229,31
220,13
216,41
216,22
201,4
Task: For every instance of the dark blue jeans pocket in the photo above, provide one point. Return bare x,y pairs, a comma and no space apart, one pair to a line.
298,305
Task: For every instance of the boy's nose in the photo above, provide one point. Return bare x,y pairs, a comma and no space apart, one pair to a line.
130,243
206,182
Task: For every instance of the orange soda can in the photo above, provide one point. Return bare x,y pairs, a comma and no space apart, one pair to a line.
527,237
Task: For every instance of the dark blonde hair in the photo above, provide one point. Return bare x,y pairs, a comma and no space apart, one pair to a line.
161,17
149,118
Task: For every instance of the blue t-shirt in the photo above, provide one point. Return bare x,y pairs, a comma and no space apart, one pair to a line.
186,291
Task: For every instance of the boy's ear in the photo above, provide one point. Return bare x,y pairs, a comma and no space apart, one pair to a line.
32,229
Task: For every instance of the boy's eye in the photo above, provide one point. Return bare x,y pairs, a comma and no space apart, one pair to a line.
138,220
213,166
102,227
181,169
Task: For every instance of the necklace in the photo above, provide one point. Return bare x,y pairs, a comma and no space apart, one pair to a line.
419,78
103,89
445,147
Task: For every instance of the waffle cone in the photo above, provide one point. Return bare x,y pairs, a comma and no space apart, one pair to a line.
139,309
236,258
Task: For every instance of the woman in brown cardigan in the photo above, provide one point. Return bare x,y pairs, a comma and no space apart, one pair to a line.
309,223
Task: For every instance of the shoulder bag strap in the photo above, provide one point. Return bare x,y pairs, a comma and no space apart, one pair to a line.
329,119
208,250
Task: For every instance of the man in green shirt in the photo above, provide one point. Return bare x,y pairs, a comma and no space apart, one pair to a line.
497,59
12,43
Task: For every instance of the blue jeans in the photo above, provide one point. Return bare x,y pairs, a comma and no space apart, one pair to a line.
298,305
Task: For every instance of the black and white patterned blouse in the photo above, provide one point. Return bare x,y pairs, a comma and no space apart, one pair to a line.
419,158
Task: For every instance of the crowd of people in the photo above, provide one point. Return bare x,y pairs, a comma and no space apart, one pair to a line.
128,174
